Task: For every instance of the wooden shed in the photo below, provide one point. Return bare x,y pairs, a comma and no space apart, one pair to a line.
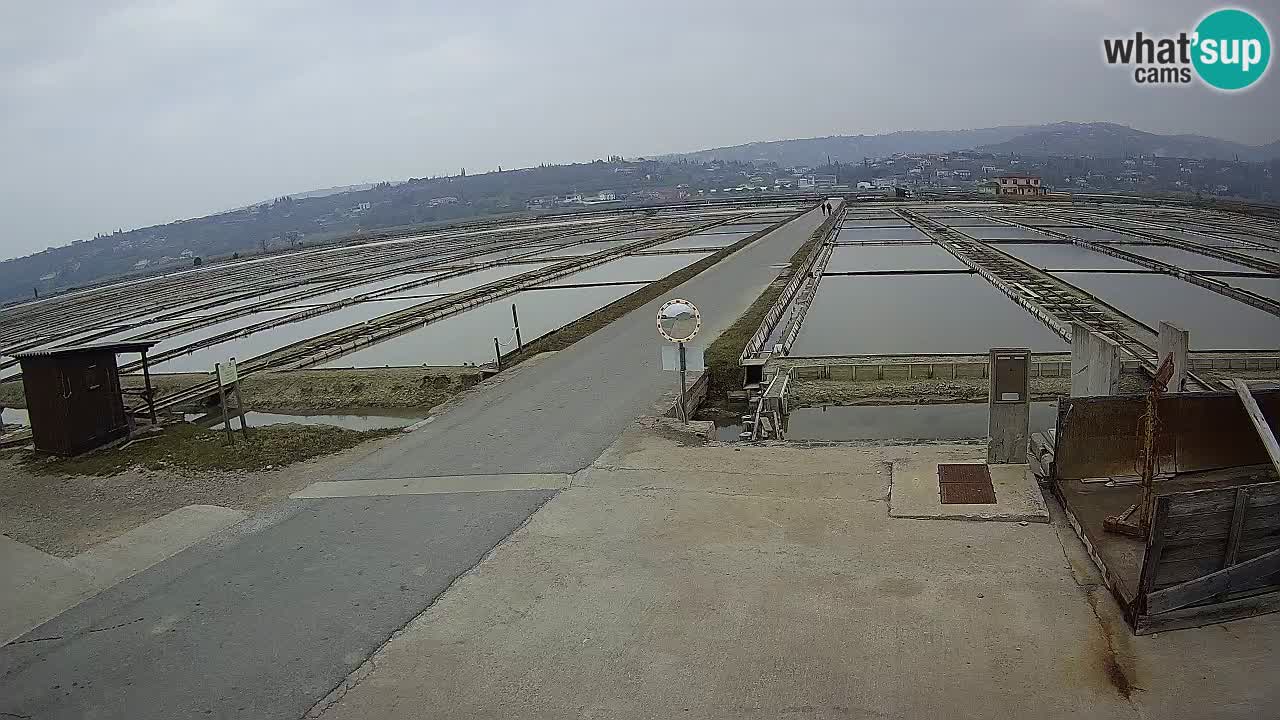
75,402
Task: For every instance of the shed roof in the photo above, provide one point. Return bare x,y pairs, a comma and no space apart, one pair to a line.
116,347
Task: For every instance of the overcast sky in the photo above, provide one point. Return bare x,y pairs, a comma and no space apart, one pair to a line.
125,114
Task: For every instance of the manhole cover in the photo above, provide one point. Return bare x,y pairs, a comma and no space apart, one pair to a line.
967,494
964,473
965,485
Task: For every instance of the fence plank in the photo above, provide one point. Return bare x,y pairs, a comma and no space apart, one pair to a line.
1234,577
1259,421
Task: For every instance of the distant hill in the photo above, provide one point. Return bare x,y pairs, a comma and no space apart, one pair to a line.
323,192
321,216
1111,140
811,152
1059,139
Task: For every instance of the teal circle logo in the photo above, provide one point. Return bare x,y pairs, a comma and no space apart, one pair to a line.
1232,49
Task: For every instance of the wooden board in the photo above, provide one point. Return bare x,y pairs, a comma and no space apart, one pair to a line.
1209,551
1100,436
1259,422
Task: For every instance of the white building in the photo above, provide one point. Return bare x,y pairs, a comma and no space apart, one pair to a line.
1020,186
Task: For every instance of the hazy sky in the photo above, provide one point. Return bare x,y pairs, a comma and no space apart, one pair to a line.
124,114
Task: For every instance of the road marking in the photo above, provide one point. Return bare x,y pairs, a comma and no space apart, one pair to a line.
434,485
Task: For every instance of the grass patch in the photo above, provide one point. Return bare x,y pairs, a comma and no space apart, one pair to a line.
584,326
186,448
722,356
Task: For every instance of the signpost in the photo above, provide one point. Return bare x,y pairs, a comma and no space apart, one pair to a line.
228,383
678,321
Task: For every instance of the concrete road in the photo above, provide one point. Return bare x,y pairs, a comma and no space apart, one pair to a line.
771,582
564,411
268,617
261,622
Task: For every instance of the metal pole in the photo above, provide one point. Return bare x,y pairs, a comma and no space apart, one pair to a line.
497,353
683,385
516,319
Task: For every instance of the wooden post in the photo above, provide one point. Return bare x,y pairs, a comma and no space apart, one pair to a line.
244,425
222,400
1259,421
146,382
497,353
515,319
1238,509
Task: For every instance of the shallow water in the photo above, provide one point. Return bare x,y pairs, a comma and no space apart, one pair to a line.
883,314
1216,322
917,422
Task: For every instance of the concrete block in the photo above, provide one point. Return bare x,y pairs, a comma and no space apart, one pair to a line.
1174,341
1009,405
913,493
1095,363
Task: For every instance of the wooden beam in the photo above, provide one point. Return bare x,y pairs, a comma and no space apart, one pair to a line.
1155,547
1238,510
1178,596
1259,421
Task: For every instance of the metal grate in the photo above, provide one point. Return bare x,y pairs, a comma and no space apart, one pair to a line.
965,484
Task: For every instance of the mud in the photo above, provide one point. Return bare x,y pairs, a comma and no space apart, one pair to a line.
805,393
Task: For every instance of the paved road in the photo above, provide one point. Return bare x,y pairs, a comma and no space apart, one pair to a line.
564,411
260,623
265,619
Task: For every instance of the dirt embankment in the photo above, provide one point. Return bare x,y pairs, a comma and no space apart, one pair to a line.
805,393
303,391
722,355
67,505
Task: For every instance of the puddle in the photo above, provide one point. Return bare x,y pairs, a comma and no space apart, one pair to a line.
728,432
959,421
354,421
15,416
